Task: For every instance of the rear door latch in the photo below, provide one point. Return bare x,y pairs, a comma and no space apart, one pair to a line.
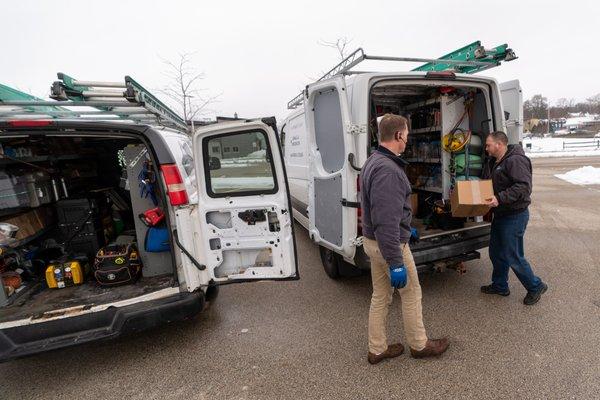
351,204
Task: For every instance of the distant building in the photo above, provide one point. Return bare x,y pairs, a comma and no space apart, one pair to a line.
236,146
580,121
231,146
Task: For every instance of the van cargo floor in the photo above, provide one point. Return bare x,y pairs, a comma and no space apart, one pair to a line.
39,299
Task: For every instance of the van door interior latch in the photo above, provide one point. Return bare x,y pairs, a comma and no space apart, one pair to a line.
351,204
251,217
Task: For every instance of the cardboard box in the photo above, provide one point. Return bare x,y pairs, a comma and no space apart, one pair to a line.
414,203
468,198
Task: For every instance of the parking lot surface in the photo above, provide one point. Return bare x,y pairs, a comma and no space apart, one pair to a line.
307,339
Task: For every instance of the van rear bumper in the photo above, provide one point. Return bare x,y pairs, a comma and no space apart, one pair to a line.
453,246
107,324
450,246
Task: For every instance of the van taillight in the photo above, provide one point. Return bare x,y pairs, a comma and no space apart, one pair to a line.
440,75
29,123
175,187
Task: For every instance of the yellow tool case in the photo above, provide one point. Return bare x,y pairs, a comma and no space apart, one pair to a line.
61,275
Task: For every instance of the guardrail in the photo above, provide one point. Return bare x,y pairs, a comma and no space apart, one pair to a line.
576,145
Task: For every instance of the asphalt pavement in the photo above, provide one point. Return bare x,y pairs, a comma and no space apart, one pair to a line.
308,339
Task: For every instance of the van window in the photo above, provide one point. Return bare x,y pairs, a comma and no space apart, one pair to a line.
329,132
248,171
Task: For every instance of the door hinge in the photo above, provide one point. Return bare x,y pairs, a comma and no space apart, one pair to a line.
352,204
357,241
356,129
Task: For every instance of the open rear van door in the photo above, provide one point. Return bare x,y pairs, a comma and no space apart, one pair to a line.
332,214
243,226
512,103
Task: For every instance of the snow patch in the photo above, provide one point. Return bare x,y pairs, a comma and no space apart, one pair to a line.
582,176
558,147
258,154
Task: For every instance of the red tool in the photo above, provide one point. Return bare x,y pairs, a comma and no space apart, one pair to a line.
152,217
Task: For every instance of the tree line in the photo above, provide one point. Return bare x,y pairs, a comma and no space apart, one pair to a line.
537,107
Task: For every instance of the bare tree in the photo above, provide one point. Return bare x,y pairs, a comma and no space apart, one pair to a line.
339,45
594,103
183,88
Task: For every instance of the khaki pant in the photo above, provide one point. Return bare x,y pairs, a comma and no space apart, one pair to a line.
410,295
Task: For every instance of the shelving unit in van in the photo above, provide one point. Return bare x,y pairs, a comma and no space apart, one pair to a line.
431,189
14,160
424,160
431,129
435,168
423,144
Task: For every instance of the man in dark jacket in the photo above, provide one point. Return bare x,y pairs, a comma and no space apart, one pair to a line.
510,171
386,217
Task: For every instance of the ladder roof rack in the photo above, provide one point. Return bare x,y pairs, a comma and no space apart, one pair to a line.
121,101
469,59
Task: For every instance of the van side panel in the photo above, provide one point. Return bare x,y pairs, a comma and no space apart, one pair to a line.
296,161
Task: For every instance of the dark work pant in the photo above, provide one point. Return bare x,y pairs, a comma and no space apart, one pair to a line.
506,251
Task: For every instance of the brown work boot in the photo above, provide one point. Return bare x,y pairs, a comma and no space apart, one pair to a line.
393,350
433,348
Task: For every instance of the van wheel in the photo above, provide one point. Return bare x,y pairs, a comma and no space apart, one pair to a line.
211,293
331,262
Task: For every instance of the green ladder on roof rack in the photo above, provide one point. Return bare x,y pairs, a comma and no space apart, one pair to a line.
468,59
472,52
8,94
126,100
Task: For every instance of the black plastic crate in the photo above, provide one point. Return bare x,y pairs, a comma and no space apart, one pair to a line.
86,228
87,244
81,215
75,211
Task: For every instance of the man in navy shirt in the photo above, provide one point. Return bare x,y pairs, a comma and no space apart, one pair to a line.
510,172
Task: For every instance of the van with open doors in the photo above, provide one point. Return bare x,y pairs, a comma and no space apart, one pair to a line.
113,226
332,130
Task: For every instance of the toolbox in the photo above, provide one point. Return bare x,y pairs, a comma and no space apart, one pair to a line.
64,274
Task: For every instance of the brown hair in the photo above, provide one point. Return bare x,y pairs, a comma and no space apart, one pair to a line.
499,136
389,125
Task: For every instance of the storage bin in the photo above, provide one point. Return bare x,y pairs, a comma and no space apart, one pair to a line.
13,192
39,189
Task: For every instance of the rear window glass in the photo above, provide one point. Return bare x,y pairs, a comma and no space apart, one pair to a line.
239,164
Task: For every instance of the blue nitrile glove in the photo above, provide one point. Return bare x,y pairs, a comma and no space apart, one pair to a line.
414,235
398,276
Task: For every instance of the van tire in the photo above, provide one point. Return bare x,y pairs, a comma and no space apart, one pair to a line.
331,262
211,293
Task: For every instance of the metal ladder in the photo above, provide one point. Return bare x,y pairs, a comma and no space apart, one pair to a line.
126,100
9,95
469,59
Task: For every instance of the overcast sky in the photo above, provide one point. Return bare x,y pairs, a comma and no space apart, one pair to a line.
259,54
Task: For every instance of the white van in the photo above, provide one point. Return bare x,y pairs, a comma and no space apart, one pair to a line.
333,130
226,220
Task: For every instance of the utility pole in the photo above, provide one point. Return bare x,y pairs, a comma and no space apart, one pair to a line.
548,116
